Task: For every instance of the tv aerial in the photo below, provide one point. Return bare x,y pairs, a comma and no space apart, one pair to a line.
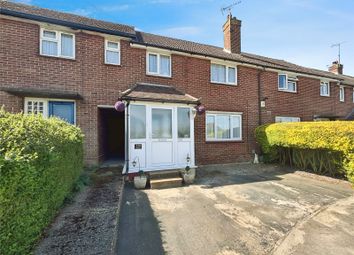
339,45
229,7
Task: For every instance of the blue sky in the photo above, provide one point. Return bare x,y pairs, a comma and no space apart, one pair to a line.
300,31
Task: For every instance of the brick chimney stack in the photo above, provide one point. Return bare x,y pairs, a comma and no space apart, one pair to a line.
336,68
232,34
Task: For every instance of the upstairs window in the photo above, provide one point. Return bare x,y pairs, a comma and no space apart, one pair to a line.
112,53
324,89
341,94
223,74
159,64
286,83
57,44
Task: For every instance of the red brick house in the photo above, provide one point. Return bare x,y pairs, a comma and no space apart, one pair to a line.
77,68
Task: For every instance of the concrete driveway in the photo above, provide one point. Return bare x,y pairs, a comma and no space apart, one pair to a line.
240,209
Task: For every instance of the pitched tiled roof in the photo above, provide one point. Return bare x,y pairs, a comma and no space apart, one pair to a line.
71,20
36,13
157,93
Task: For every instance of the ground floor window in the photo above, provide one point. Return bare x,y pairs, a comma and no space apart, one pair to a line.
287,119
63,109
223,126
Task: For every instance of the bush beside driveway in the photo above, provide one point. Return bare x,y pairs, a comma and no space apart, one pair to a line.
246,209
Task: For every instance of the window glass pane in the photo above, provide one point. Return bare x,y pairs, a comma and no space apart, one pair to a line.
232,75
112,45
112,57
165,65
183,119
161,123
67,45
49,34
292,86
218,73
152,63
210,126
49,48
62,110
137,122
341,94
222,127
236,127
282,81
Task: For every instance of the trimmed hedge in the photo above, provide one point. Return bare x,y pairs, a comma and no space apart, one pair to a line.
40,159
325,147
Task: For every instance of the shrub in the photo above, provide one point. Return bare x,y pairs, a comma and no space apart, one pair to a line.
326,147
40,159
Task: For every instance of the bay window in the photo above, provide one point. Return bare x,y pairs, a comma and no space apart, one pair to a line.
57,44
223,74
223,127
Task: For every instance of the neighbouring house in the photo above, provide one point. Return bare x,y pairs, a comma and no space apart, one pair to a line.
77,68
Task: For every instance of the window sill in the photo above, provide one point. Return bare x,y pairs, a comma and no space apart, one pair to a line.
225,84
224,141
110,64
325,95
287,91
57,57
159,76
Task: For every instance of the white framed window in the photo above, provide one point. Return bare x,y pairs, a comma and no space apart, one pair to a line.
57,44
324,89
353,95
158,64
112,52
286,83
223,74
61,108
287,119
223,126
341,94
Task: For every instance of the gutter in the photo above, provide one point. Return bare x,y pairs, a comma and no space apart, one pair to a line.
127,138
64,23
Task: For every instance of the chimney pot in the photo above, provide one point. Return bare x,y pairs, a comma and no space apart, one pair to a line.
232,34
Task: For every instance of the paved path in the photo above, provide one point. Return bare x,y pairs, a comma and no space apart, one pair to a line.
240,209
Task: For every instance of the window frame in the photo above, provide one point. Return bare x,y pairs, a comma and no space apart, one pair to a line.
58,35
158,73
287,80
328,89
341,88
46,105
107,48
353,95
289,117
230,115
227,66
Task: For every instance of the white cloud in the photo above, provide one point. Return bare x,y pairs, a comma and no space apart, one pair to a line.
114,8
23,1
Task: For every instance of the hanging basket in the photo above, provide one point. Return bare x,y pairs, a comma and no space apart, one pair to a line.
200,109
119,106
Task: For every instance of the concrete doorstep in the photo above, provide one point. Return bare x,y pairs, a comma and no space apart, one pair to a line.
89,224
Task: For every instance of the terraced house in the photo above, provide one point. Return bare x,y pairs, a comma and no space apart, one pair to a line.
77,68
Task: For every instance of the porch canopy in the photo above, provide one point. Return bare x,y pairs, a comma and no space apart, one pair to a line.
42,93
157,93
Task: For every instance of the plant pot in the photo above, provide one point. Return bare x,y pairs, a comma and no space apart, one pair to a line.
189,176
140,182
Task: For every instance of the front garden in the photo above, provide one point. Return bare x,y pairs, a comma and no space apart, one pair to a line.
40,160
325,148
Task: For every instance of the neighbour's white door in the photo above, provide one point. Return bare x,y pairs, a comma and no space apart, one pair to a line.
162,136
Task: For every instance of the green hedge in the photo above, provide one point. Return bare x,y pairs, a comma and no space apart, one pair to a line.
325,147
40,159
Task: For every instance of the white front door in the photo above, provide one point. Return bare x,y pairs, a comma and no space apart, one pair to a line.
161,136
